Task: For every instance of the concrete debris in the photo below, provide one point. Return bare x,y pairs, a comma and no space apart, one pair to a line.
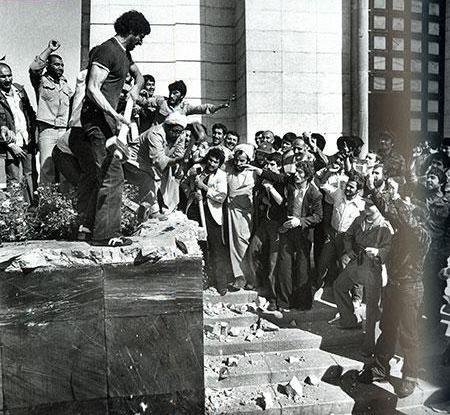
224,373
223,328
293,359
294,389
227,392
252,306
293,323
268,326
262,303
312,380
259,333
246,354
265,401
234,331
231,361
250,338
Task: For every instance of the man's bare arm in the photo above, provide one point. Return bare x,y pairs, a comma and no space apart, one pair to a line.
138,82
97,76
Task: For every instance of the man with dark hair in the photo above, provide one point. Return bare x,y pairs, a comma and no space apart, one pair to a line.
53,97
207,184
403,294
163,106
17,125
109,64
259,137
347,206
303,211
394,163
146,116
231,140
218,134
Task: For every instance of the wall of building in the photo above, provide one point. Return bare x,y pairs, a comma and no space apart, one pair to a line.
191,40
295,66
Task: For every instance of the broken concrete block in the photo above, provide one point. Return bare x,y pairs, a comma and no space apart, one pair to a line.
294,389
224,373
259,333
293,323
250,338
234,331
265,401
293,359
262,303
243,308
312,380
223,328
231,361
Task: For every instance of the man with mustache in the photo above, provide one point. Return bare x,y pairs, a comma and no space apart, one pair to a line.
17,123
52,95
103,180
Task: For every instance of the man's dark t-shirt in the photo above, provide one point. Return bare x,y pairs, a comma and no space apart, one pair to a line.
110,56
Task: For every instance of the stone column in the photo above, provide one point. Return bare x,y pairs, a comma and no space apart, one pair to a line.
360,70
447,74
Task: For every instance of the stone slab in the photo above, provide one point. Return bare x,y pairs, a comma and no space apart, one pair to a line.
154,354
53,362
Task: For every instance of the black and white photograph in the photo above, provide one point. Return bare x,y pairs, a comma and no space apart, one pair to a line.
224,207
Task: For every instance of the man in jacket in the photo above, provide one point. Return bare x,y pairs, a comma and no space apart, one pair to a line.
366,243
403,294
207,185
17,123
53,99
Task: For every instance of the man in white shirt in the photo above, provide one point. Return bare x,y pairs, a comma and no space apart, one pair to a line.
347,206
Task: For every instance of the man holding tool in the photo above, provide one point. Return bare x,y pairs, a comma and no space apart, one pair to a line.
109,64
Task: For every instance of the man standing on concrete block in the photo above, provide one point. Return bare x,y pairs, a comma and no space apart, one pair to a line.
109,64
53,98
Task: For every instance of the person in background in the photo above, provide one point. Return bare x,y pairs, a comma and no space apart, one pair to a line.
53,104
145,115
17,129
231,140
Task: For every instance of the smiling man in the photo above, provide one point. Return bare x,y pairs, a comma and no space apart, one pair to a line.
109,64
53,95
163,106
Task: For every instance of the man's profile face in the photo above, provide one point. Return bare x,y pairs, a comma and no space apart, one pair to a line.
446,150
230,141
5,78
272,166
432,182
134,40
55,67
174,132
386,145
175,97
217,136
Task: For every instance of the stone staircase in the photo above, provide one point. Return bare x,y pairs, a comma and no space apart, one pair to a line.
250,356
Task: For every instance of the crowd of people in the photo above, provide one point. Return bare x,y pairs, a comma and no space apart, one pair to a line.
280,215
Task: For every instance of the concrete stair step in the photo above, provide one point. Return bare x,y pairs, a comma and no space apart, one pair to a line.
272,368
238,297
304,335
234,319
283,339
344,397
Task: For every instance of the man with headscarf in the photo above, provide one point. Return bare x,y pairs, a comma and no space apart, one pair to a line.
163,106
149,167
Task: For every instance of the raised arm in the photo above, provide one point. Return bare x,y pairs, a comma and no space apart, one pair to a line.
40,62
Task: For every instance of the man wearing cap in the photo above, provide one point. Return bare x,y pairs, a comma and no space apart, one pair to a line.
163,106
159,149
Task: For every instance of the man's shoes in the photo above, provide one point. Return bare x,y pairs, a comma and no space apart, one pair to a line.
405,388
373,373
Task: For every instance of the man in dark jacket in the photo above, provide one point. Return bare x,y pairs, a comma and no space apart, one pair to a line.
17,123
303,212
403,293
